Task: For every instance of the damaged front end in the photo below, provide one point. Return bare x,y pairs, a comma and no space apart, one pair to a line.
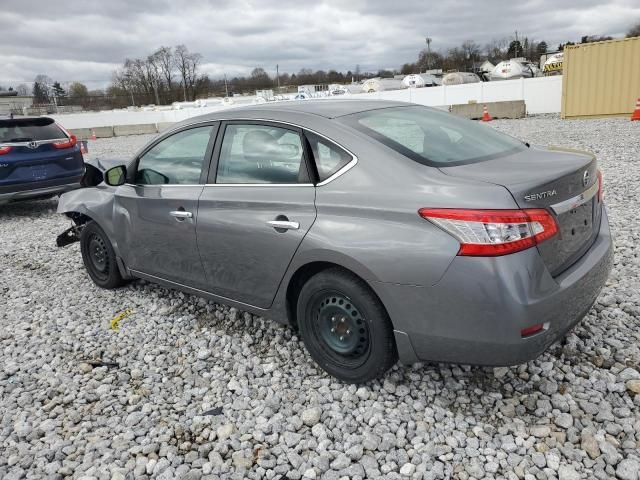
69,236
72,234
92,202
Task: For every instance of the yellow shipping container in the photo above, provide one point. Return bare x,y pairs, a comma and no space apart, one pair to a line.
601,79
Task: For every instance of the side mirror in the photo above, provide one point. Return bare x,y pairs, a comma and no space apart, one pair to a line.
115,176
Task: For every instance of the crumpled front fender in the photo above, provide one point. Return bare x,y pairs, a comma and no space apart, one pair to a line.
94,202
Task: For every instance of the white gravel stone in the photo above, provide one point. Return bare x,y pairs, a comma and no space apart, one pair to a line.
564,420
198,390
629,374
407,469
567,472
628,469
310,473
311,416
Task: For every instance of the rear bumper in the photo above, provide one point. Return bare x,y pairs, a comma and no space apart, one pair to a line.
38,189
475,313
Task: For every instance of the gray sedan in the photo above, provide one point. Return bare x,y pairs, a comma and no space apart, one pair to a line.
380,230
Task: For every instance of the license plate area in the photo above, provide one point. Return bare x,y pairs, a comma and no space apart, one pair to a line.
576,226
38,172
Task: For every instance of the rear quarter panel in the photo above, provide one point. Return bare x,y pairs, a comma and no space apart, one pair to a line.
368,218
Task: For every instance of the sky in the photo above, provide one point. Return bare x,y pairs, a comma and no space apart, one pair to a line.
86,40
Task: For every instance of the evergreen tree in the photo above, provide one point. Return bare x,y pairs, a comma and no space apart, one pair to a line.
40,93
542,48
515,49
58,91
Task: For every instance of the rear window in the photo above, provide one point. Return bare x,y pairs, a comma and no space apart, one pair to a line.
432,137
29,129
328,157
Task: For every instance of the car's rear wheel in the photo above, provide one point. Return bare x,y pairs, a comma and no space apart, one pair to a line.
99,258
345,327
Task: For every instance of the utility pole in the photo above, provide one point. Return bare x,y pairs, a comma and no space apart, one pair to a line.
428,40
516,44
226,87
278,76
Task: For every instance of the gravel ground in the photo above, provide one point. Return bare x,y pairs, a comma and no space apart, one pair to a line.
189,389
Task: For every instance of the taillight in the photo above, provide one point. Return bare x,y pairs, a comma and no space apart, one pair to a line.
493,232
600,186
4,150
70,142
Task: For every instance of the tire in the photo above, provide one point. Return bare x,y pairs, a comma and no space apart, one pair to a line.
99,258
345,327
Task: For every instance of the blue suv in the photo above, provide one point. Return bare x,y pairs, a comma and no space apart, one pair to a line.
38,158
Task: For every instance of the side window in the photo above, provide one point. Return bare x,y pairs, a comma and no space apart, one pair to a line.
176,160
329,158
259,154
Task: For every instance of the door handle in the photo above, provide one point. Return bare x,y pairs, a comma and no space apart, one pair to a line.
181,214
284,224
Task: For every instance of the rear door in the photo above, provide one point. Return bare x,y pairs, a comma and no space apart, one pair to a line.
255,210
157,213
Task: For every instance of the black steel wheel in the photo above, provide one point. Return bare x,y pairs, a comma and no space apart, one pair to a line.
345,326
341,327
98,257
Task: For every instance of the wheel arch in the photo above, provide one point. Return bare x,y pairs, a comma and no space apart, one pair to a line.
94,204
304,272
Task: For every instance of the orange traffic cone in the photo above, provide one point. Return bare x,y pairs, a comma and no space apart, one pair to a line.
83,147
93,134
636,113
485,114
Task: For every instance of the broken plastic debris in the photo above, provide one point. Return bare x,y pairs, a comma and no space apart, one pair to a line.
118,318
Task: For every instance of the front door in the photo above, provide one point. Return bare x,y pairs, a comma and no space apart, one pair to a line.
157,213
255,210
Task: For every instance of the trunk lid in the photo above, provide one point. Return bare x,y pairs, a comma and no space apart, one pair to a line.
561,180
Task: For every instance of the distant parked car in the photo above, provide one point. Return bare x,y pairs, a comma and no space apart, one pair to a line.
38,158
380,230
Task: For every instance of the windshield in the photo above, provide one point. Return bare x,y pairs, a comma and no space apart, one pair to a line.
29,129
433,137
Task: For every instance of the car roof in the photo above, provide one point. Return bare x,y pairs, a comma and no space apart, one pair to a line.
32,121
320,107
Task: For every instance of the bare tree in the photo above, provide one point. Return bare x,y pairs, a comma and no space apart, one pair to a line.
634,31
182,63
193,63
471,50
496,50
187,64
153,75
22,90
163,57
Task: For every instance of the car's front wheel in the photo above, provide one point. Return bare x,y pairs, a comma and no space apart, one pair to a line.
99,258
345,327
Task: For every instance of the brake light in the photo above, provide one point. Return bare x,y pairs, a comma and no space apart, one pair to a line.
492,233
4,150
600,187
70,142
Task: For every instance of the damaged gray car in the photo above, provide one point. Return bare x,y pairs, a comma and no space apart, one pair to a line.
380,230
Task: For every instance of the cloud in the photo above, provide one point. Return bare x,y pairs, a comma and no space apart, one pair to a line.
87,39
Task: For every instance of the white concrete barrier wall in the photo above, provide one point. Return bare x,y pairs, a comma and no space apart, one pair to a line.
541,95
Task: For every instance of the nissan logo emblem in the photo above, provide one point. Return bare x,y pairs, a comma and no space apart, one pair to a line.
585,178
